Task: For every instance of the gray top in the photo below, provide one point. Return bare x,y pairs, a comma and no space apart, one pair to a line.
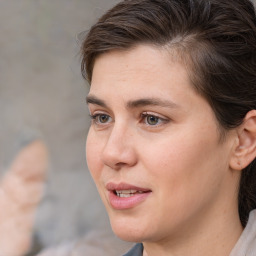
246,244
137,250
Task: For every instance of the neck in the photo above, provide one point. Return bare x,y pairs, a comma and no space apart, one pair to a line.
215,234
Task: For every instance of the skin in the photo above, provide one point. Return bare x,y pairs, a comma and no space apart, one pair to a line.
171,145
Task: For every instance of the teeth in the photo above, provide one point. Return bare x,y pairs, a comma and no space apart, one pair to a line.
130,191
127,193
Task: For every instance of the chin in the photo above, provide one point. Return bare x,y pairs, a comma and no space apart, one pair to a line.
129,230
133,236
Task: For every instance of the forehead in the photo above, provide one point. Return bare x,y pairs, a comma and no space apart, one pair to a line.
141,63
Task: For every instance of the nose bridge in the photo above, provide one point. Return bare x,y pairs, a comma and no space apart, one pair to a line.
118,140
119,149
119,131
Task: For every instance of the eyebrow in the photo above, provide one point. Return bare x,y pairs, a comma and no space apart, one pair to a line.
91,99
151,102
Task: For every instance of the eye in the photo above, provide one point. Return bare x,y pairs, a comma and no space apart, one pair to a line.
101,118
153,120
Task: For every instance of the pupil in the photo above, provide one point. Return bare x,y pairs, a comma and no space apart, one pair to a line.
152,120
103,118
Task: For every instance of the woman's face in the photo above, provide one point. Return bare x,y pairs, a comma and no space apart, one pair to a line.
154,148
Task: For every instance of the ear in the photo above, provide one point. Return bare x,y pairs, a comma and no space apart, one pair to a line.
245,147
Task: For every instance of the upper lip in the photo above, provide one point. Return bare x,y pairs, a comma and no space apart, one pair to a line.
124,186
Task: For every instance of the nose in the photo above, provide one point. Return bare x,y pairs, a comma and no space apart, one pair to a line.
119,151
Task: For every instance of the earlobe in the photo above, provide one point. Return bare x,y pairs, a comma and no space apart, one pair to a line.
245,147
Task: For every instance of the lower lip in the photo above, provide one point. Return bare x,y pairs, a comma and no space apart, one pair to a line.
123,203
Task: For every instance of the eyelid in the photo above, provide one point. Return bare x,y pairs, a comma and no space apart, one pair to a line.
149,113
94,113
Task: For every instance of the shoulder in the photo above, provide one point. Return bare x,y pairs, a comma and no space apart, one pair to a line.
137,250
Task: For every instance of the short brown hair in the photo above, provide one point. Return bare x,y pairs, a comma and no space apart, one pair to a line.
219,36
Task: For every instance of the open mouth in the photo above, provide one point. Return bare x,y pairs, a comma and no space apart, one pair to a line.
128,193
124,196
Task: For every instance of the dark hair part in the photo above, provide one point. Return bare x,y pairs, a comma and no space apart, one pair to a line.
217,37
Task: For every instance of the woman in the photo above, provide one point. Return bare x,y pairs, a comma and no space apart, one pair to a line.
172,144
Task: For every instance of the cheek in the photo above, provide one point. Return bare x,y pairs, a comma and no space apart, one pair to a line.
168,156
185,175
187,163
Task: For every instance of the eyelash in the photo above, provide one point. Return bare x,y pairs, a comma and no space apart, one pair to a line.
143,119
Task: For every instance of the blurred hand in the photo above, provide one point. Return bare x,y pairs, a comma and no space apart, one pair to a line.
20,192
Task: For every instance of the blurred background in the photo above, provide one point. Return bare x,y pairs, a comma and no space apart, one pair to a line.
42,96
